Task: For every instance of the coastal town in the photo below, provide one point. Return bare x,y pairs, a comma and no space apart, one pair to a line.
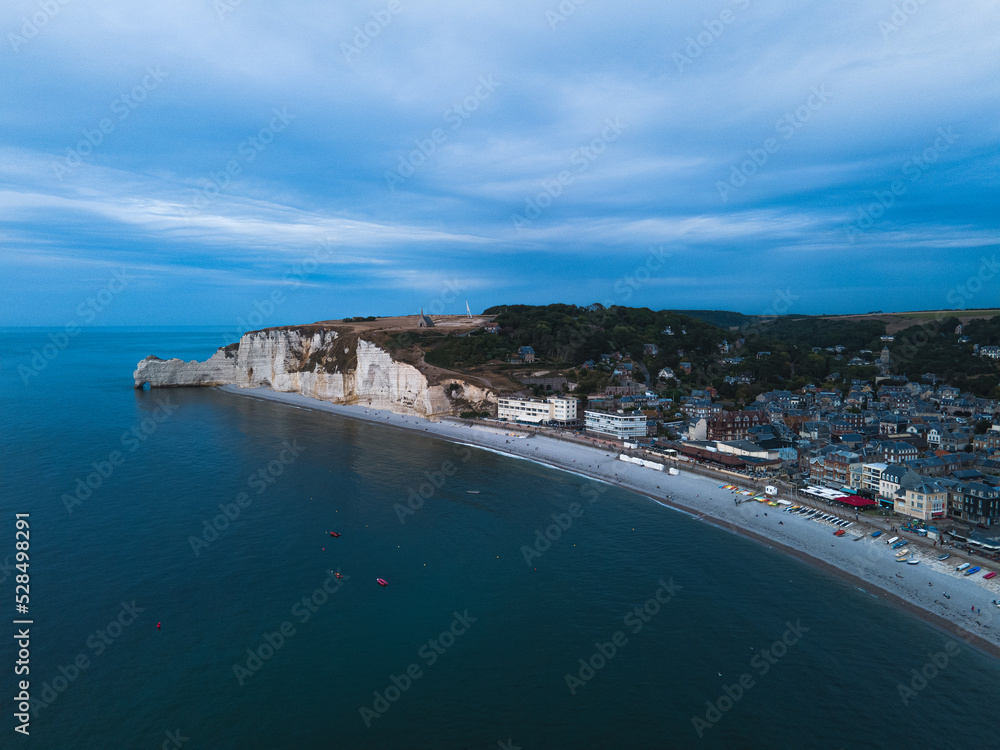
923,452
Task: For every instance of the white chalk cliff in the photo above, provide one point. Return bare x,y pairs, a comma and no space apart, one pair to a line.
320,363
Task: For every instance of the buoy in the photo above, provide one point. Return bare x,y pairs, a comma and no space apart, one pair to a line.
157,626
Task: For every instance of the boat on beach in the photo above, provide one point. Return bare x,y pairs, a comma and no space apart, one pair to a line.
991,574
963,566
901,559
970,571
913,562
876,534
839,532
945,556
900,543
892,541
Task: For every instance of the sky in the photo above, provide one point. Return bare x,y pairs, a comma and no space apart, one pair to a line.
246,164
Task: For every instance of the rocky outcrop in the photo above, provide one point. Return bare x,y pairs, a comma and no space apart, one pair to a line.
323,364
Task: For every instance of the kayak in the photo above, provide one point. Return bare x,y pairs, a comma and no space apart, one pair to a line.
382,582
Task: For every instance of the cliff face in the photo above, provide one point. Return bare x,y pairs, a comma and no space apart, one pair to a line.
322,364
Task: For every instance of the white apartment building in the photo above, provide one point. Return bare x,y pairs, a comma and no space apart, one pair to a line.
871,476
620,426
535,411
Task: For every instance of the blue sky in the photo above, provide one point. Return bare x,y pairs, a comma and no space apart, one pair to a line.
217,161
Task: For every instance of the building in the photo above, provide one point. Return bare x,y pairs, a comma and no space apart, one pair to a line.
895,478
835,470
989,440
871,475
527,354
925,500
980,503
734,425
616,424
993,352
560,411
746,449
896,452
424,321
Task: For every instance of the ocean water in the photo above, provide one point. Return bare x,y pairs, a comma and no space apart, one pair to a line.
208,513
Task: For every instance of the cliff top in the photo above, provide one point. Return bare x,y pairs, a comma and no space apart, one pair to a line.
396,324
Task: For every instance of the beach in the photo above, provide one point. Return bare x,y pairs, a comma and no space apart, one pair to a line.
967,614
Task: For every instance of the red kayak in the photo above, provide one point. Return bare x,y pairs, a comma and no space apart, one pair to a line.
382,582
991,574
334,533
839,532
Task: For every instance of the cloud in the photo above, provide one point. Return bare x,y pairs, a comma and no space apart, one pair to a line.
177,186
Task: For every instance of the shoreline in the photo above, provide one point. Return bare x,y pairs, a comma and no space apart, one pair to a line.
868,563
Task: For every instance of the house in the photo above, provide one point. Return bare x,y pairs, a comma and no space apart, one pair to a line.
893,478
993,352
954,440
734,425
979,503
989,440
491,328
892,424
527,354
651,349
895,452
700,409
828,399
666,374
925,500
686,366
818,431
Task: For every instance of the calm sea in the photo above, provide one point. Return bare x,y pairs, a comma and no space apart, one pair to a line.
208,513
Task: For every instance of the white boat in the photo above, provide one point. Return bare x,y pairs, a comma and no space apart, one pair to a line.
892,541
913,562
963,566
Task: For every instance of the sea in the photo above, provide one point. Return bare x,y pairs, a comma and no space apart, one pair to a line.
183,591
